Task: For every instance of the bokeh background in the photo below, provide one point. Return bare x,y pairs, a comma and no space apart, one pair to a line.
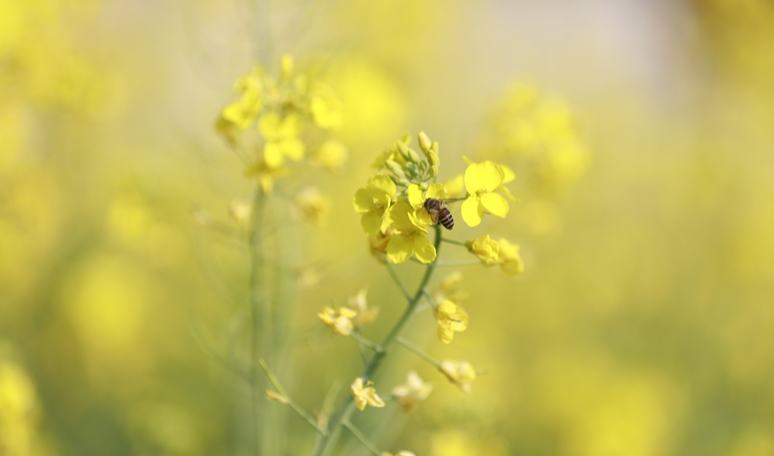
642,133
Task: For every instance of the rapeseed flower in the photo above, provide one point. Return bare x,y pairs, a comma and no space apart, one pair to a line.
460,373
451,318
340,321
372,203
412,392
365,394
492,252
483,181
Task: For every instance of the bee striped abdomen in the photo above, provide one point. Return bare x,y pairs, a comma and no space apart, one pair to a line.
445,218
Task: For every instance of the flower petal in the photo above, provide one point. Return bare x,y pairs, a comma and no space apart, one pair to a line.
483,177
495,204
399,248
415,197
383,183
470,211
424,250
371,222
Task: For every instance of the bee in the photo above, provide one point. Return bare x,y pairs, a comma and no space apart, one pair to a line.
439,213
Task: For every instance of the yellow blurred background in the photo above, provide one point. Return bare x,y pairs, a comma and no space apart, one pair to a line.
642,135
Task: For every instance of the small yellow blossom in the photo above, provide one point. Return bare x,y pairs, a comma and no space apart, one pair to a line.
312,205
455,187
501,252
365,395
276,397
461,373
410,225
281,135
340,321
239,210
451,318
412,392
331,155
359,303
372,203
482,181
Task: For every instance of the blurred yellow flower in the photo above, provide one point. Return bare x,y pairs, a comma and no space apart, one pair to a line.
461,373
482,181
325,107
18,410
364,395
373,201
331,155
312,205
412,392
281,134
501,252
359,303
399,453
451,318
340,321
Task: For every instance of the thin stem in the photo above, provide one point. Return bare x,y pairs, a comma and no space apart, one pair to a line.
455,242
396,279
366,342
362,438
417,351
290,402
347,407
256,301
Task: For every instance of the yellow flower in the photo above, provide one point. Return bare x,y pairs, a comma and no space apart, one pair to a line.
359,303
265,174
461,373
372,202
501,252
451,318
455,187
340,321
241,113
331,155
365,395
409,237
412,392
281,134
325,107
312,205
482,181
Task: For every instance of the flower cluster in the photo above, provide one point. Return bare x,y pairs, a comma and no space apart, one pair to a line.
397,221
283,112
355,314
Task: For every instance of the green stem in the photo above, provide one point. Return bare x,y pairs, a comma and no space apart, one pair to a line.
290,402
396,279
417,351
256,303
347,407
455,242
362,438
